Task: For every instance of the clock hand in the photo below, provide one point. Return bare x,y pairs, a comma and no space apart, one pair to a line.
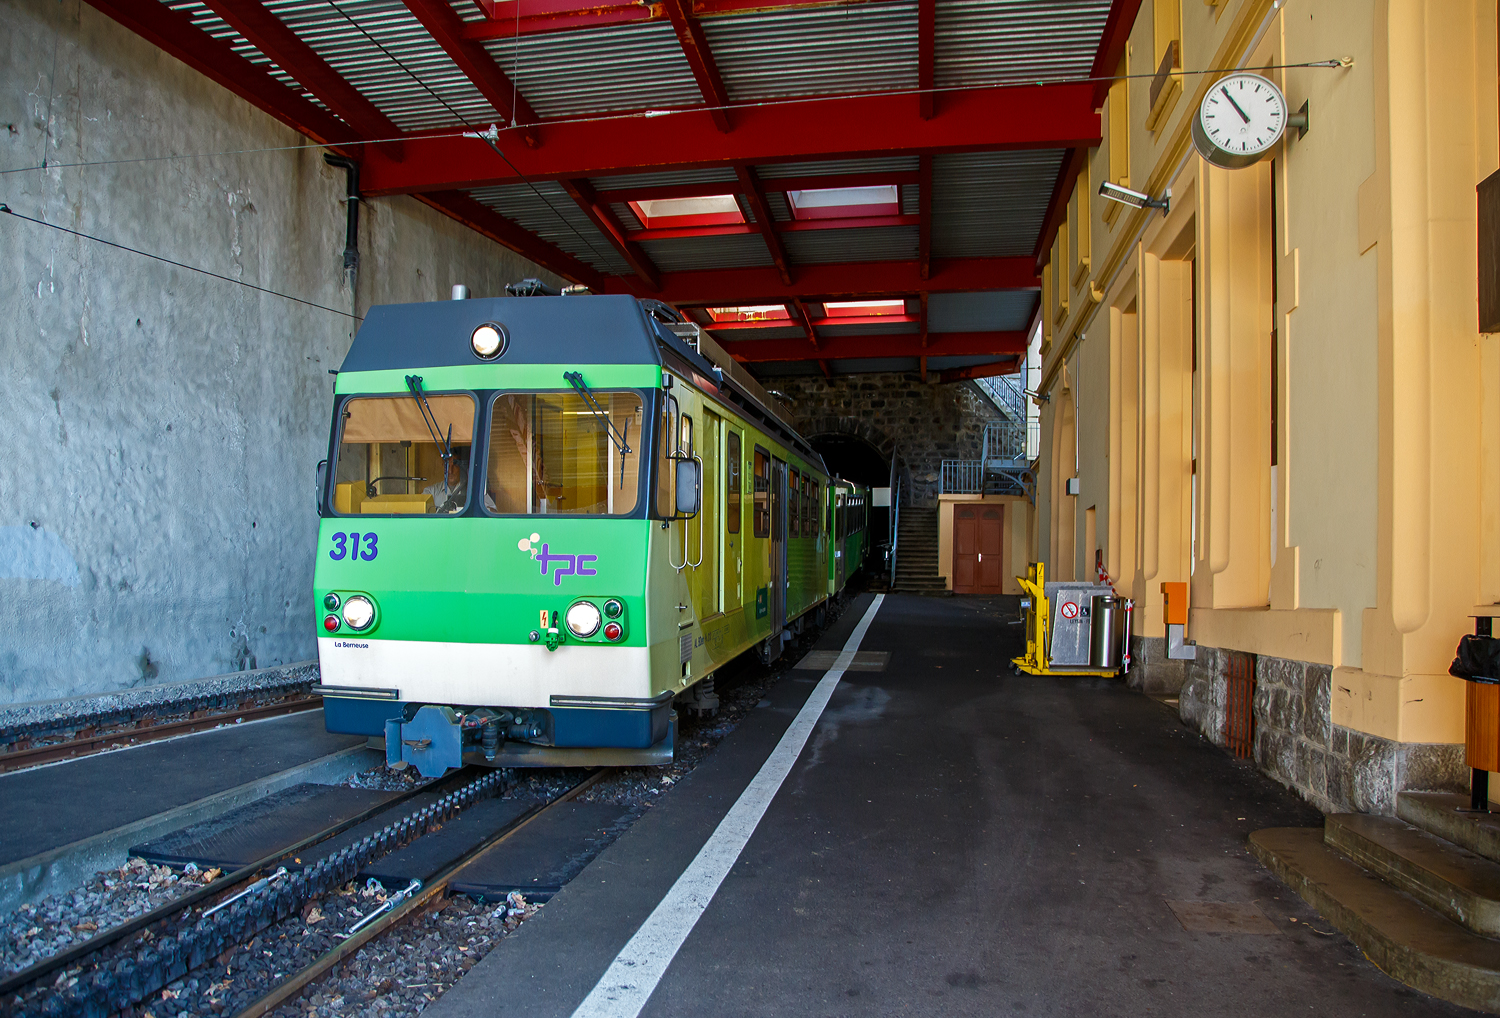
1236,105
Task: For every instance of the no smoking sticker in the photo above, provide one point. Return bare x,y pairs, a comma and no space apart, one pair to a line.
1069,610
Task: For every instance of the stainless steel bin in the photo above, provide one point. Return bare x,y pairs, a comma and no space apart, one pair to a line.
1106,643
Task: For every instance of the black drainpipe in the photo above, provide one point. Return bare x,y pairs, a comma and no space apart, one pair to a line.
351,230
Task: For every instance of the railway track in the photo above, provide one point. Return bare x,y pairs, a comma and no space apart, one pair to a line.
124,966
144,729
435,887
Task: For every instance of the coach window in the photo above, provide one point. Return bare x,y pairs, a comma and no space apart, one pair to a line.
762,492
666,498
391,457
809,509
732,506
685,437
556,453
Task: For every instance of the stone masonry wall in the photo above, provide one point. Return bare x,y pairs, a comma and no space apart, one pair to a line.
1336,769
918,424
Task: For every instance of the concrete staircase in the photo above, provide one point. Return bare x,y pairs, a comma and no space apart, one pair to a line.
1418,894
917,551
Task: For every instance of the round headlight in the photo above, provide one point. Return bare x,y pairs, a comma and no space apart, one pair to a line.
613,608
331,602
584,620
488,341
358,613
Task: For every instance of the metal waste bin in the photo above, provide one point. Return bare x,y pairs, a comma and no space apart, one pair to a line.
1106,643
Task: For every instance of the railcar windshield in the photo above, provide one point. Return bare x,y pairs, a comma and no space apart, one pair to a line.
393,458
557,452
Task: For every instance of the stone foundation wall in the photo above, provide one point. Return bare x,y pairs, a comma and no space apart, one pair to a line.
918,424
1337,769
1150,670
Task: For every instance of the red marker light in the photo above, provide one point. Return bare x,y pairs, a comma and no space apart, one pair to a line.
612,631
331,623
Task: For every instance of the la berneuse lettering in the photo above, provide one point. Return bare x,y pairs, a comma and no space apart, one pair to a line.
348,643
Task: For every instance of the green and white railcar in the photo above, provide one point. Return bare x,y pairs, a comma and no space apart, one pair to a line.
544,519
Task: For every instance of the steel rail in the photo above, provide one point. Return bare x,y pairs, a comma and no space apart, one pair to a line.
436,886
114,934
19,758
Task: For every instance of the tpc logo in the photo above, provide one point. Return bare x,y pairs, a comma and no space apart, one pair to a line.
567,565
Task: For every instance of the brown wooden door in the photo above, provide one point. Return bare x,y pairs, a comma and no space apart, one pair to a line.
990,558
977,559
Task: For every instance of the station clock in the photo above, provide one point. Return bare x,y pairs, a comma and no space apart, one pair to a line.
1241,119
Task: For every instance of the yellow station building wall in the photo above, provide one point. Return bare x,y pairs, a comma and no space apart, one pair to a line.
1334,281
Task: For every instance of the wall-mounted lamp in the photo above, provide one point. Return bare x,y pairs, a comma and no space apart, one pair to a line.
1135,199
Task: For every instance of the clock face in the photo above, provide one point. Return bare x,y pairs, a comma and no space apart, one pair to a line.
1242,115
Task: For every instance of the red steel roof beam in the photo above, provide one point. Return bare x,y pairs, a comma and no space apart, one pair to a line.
269,34
926,58
701,59
756,198
1004,367
507,234
971,120
833,348
447,29
604,219
174,32
798,309
843,281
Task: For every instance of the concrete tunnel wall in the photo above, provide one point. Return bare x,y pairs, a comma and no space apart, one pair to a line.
162,427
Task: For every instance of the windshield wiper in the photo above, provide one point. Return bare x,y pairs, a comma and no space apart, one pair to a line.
414,383
622,442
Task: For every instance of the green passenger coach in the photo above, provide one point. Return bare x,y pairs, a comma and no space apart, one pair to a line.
545,519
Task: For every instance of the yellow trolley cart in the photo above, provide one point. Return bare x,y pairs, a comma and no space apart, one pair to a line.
1088,646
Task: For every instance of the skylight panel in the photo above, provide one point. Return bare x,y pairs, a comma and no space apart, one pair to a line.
864,308
664,213
845,202
749,313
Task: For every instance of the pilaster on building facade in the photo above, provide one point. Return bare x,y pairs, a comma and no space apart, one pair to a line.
1275,390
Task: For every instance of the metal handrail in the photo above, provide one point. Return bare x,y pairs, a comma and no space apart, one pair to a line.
698,563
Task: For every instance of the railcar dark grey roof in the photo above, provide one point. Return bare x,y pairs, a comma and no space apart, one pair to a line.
542,330
568,331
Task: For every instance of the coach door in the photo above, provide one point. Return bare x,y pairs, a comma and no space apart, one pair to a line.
703,540
778,545
734,518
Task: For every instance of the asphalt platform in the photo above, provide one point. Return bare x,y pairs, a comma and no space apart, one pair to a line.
956,840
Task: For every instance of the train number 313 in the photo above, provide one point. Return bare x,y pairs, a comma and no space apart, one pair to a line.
348,544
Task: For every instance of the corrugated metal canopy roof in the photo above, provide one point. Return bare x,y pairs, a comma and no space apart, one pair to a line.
986,204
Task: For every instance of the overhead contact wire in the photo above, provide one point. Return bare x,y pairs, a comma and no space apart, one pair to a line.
7,210
649,114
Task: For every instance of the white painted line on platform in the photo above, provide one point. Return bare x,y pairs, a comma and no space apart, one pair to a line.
632,977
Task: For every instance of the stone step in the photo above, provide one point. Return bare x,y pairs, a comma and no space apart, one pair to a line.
1463,886
1446,815
1406,939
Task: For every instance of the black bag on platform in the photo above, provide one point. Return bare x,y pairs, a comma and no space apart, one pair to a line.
1478,659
